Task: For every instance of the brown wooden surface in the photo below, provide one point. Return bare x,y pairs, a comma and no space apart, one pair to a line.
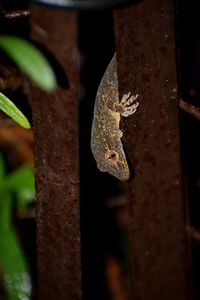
55,122
146,52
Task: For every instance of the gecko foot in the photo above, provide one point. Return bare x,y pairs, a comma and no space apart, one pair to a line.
128,104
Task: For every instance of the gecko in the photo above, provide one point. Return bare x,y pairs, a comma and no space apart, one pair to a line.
106,144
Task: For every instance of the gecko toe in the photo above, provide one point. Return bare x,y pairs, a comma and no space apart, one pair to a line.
128,104
130,100
125,97
127,111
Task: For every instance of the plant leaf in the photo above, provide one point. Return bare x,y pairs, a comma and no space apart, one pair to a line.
31,61
2,167
5,211
12,259
22,178
9,108
15,271
24,198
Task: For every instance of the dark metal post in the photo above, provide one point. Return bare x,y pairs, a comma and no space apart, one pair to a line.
146,55
55,121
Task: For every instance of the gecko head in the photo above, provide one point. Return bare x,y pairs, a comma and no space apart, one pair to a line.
114,162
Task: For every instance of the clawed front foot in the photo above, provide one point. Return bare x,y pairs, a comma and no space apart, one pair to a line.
128,105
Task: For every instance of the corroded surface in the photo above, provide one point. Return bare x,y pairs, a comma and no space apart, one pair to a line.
55,121
147,65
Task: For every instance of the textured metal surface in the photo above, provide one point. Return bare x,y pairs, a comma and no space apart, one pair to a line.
147,65
55,120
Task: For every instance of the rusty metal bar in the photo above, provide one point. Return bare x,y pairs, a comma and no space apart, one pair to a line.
55,120
189,41
146,52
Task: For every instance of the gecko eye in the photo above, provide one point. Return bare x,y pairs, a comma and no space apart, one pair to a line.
111,155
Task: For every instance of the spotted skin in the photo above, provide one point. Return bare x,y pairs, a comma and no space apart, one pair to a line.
106,144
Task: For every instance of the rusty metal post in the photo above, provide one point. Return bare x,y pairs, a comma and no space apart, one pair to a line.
146,55
55,121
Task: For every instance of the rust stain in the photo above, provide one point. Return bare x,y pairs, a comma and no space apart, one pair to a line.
147,66
55,122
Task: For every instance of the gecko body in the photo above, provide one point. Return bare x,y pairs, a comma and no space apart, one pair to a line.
106,144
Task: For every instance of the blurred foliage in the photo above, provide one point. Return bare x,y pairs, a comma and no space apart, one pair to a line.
30,60
16,188
33,63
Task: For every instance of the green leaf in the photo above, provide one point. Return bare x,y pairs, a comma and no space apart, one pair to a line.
2,167
14,266
5,211
22,183
21,179
12,259
9,108
30,60
24,198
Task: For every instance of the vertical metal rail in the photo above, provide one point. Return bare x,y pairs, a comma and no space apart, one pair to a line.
146,53
189,25
55,121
